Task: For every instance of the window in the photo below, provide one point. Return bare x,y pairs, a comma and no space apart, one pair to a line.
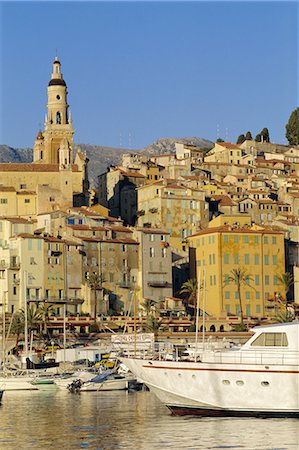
27,200
266,280
3,200
226,295
236,258
271,340
14,290
274,240
124,248
247,295
152,237
257,309
226,258
266,240
236,238
257,280
23,186
274,260
163,252
226,238
257,296
246,258
32,260
256,259
256,239
266,260
152,252
246,239
275,280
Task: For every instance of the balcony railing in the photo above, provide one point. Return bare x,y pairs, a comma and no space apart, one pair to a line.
159,284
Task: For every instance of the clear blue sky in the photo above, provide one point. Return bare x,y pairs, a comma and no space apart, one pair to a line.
150,69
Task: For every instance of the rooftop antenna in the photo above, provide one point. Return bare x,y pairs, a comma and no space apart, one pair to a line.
226,134
217,132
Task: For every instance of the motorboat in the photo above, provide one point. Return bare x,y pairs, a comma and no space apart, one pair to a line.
106,381
17,382
258,378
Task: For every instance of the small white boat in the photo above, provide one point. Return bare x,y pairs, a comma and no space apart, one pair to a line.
17,383
106,381
259,378
63,381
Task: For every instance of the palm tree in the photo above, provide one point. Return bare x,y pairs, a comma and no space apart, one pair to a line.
45,311
240,277
190,288
95,282
287,281
148,306
17,325
285,316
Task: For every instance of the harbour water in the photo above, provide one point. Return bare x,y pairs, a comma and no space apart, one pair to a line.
56,419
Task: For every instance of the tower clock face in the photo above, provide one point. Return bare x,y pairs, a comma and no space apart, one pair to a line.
58,97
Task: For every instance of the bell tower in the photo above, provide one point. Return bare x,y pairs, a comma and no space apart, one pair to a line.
58,124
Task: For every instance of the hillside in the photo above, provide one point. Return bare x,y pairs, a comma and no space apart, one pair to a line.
101,157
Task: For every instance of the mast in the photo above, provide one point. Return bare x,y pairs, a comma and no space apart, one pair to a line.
197,316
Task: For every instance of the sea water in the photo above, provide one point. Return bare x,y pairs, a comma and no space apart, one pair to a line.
56,419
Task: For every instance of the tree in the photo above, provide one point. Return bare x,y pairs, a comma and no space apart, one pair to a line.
45,310
285,316
286,280
241,139
240,277
292,128
17,325
258,138
148,306
220,140
190,288
95,282
248,136
265,136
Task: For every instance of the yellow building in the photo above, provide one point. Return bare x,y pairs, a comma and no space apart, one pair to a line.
225,152
52,180
231,242
173,207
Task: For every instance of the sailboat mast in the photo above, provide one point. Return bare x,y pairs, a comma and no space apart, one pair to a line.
197,315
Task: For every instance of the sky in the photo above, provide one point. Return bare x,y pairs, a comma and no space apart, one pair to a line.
140,71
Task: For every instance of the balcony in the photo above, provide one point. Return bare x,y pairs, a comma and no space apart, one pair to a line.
159,284
126,285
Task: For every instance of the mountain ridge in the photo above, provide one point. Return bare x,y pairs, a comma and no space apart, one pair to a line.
100,157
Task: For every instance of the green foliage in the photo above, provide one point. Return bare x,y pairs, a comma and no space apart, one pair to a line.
239,277
241,139
265,135
220,140
285,316
292,128
190,288
258,138
248,136
287,281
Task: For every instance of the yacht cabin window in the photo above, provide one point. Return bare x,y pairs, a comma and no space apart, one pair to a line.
271,340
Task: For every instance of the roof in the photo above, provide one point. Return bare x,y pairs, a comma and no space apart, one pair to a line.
225,200
229,145
230,229
57,82
16,219
31,167
152,231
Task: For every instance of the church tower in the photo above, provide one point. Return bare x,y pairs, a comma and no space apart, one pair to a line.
54,146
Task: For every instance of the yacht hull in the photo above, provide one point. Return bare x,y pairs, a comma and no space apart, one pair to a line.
221,389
